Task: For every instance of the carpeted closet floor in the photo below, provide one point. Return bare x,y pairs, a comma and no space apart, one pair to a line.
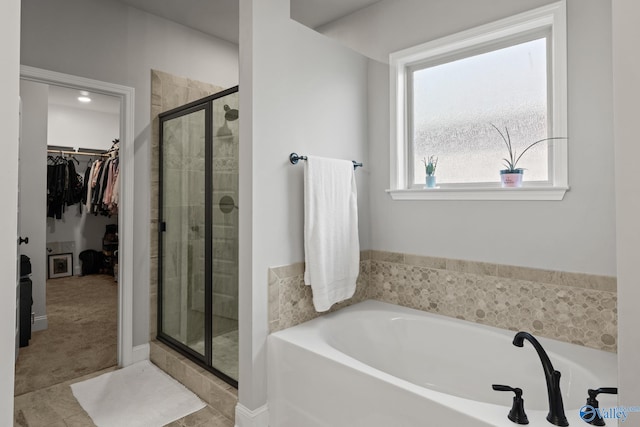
81,337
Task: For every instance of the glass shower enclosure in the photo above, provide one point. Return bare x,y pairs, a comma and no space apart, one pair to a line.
198,232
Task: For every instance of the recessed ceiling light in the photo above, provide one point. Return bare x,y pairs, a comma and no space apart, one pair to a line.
84,99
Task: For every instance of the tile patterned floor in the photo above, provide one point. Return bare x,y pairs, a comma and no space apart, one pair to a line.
55,406
82,336
79,344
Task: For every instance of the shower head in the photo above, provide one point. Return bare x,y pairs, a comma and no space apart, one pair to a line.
231,113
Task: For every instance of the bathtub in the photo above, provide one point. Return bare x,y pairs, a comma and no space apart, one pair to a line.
379,365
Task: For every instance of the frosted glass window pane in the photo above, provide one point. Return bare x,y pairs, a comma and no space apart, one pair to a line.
455,103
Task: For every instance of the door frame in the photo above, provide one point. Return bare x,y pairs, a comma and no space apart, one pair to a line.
125,215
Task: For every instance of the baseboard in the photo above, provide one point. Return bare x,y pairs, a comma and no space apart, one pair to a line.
140,353
247,418
40,323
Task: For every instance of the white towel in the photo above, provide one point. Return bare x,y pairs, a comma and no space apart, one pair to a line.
331,245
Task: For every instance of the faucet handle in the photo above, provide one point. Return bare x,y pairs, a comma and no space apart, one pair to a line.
592,416
499,387
516,414
604,390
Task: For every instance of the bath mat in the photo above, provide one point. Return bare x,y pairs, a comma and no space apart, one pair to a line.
140,395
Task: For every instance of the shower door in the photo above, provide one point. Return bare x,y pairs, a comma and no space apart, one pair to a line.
198,232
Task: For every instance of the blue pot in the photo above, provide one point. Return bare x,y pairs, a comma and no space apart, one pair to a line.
431,181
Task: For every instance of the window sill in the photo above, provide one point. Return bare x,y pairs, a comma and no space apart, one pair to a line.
480,193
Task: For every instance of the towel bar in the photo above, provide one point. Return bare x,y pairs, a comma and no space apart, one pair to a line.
294,158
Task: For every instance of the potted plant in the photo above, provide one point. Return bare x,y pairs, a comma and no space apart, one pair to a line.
512,175
430,169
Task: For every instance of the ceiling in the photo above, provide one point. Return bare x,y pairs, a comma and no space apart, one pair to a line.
220,18
67,97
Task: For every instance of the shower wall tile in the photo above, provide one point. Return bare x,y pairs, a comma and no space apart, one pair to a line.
153,287
225,249
194,317
226,231
224,148
225,284
225,181
225,306
572,307
220,218
153,296
153,312
224,268
156,89
176,94
153,230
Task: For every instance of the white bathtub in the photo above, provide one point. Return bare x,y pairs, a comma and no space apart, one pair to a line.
379,365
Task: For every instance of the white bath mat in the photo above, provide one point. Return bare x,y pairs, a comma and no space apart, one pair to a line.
140,395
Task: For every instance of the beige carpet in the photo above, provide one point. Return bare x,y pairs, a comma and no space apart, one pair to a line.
81,337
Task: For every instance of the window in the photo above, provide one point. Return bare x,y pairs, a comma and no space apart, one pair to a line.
446,95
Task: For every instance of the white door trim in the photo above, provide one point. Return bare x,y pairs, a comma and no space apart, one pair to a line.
125,215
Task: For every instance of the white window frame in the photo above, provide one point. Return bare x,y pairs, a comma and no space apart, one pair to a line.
552,18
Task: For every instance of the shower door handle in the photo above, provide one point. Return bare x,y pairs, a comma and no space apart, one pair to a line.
163,226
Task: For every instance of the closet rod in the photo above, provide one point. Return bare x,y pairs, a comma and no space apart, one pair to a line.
78,153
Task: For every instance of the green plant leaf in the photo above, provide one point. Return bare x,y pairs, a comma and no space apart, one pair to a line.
534,143
514,158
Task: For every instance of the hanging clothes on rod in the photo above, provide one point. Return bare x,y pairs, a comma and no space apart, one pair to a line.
96,189
101,184
64,185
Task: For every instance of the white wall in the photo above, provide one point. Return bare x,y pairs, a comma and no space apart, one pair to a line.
75,127
306,93
576,234
626,72
109,41
9,119
33,190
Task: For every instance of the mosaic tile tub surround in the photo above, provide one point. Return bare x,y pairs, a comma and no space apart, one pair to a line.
571,307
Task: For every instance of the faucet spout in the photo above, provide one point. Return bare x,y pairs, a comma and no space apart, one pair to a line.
556,414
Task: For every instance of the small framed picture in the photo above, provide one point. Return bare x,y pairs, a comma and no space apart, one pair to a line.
60,265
